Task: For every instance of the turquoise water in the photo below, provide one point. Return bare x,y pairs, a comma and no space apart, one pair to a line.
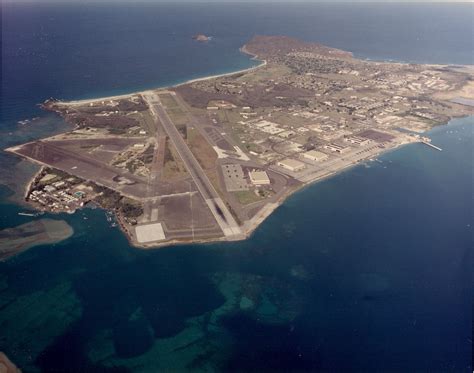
358,264
369,270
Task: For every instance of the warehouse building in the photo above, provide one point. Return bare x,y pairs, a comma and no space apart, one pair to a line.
259,178
314,155
337,148
291,164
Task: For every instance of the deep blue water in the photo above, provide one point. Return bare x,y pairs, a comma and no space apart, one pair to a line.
370,270
83,50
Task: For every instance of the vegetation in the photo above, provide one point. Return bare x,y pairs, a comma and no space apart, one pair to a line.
131,208
147,156
173,167
246,197
107,198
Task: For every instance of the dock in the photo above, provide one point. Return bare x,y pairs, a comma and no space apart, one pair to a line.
26,214
433,146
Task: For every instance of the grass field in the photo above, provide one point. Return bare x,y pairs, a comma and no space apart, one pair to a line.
247,197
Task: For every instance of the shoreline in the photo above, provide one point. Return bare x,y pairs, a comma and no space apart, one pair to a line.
248,69
243,50
251,226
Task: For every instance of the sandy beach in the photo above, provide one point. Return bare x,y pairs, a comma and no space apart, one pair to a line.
127,95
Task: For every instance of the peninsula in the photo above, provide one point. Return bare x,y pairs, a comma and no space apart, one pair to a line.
210,159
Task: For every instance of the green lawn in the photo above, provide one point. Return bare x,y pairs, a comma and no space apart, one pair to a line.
247,197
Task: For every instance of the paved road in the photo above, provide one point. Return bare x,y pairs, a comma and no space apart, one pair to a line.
218,208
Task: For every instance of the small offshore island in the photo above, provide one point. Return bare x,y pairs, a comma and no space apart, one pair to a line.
210,159
201,37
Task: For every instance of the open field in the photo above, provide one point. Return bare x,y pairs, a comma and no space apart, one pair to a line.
466,91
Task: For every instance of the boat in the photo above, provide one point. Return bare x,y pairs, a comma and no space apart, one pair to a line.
110,216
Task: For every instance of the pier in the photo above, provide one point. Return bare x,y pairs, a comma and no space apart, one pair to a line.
433,146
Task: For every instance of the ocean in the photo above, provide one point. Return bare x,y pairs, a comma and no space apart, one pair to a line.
370,270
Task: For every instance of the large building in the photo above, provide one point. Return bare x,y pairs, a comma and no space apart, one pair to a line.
337,148
357,140
259,178
314,155
291,164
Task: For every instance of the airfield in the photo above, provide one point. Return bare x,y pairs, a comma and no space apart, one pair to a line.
211,159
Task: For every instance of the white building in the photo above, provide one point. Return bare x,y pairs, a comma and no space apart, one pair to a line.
49,188
259,178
